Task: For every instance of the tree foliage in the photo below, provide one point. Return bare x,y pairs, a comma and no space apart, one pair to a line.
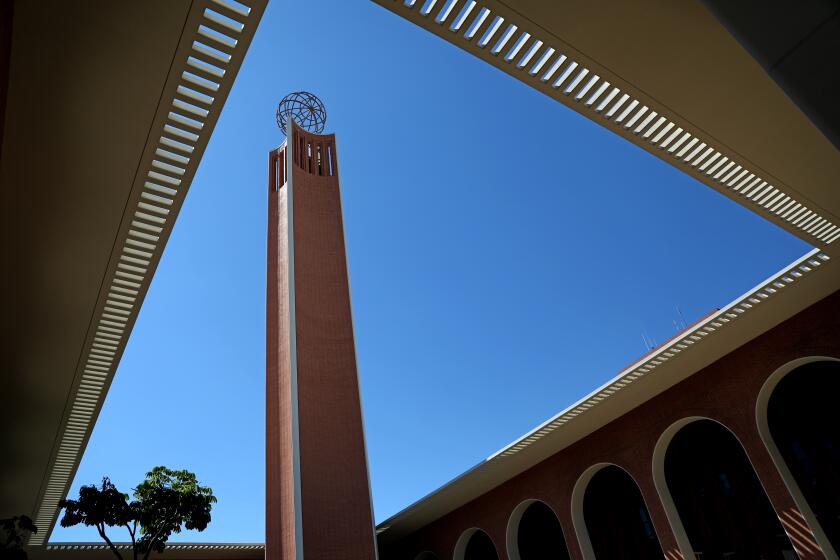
165,503
13,534
168,500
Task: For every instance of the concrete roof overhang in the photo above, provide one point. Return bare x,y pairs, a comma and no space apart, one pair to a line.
109,108
672,80
669,78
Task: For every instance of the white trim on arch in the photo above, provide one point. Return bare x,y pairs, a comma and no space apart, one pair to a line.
578,493
577,509
464,539
658,470
762,402
512,531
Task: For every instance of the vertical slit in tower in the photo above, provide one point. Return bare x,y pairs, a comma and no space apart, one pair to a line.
330,157
320,170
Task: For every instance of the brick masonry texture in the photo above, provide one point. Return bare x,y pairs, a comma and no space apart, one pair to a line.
335,496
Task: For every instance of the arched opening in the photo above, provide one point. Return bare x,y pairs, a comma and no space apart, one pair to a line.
802,419
475,544
534,533
721,504
615,519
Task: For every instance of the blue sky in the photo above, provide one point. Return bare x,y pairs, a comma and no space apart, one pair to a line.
505,256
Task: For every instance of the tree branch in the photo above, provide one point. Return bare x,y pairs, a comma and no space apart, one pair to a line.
155,537
132,532
101,528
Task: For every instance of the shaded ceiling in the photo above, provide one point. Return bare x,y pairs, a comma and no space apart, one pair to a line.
85,80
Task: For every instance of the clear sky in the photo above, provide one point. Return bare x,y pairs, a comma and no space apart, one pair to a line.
505,256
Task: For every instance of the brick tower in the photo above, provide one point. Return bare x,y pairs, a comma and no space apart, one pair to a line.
318,503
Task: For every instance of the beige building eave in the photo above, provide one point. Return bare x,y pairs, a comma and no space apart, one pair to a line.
669,78
110,106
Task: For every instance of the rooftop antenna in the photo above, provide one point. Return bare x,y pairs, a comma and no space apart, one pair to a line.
680,322
649,343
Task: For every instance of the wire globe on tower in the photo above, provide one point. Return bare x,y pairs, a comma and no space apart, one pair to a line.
305,109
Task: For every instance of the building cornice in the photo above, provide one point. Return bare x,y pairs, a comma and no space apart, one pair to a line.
175,551
169,547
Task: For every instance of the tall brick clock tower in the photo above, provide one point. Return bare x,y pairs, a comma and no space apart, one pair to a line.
318,504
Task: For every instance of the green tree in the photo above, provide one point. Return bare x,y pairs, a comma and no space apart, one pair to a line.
165,503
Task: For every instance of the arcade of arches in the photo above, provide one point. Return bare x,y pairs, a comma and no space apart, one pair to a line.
717,507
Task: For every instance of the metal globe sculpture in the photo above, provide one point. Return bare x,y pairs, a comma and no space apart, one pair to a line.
305,109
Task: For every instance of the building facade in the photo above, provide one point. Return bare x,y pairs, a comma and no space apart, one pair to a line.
738,460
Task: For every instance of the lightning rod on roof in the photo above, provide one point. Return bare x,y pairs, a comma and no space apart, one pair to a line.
679,322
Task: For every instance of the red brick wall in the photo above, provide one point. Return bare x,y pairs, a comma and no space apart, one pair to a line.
335,508
725,391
